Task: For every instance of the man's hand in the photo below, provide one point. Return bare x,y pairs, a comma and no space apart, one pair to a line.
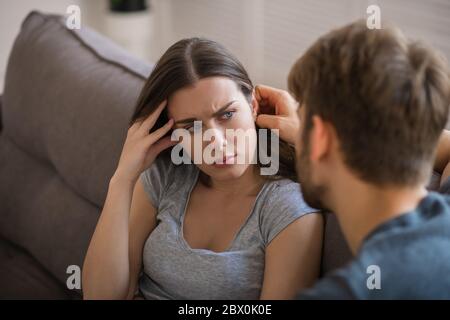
442,159
277,110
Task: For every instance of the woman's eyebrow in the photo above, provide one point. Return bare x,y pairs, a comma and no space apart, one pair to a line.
222,109
189,120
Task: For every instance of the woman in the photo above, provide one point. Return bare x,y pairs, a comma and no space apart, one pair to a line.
203,231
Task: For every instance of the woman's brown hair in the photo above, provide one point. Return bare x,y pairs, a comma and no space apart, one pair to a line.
185,63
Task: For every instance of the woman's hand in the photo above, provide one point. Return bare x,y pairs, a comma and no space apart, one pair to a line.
114,257
141,148
277,110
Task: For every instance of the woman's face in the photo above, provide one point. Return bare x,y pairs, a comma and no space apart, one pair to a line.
220,105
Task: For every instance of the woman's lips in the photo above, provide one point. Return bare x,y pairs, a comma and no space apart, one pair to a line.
228,160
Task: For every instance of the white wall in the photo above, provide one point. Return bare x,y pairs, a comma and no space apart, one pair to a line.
131,31
12,13
266,35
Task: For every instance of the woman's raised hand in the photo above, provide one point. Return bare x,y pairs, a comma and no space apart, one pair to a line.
141,148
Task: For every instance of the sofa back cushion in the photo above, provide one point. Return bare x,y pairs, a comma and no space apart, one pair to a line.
69,96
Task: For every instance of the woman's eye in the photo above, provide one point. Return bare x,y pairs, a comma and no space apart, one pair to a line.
227,115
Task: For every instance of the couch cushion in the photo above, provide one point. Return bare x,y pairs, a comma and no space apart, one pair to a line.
22,277
68,99
75,91
41,213
336,252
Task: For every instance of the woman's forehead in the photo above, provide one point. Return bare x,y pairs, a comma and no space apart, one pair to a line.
208,94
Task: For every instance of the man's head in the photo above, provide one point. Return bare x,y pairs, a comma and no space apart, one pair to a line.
372,102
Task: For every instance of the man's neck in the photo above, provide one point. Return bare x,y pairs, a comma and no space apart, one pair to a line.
369,206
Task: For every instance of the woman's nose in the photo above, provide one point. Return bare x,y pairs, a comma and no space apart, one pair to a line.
217,136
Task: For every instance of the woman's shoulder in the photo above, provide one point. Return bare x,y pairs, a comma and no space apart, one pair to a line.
164,167
283,204
162,174
287,192
284,183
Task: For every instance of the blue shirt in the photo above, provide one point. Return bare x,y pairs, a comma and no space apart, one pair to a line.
407,257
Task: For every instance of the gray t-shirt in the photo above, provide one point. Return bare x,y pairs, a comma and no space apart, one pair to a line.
174,270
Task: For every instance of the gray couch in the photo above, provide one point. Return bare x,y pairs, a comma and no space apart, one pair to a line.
68,98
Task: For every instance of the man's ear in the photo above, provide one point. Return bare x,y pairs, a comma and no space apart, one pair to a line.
320,139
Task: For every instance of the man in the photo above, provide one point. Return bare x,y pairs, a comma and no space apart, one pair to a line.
372,108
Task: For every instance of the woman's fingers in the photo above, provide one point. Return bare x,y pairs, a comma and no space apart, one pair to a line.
151,119
161,145
138,149
156,149
158,134
134,127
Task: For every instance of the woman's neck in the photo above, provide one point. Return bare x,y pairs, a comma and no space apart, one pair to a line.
249,183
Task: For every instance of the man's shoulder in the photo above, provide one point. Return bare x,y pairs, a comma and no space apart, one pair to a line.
340,284
389,274
406,257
